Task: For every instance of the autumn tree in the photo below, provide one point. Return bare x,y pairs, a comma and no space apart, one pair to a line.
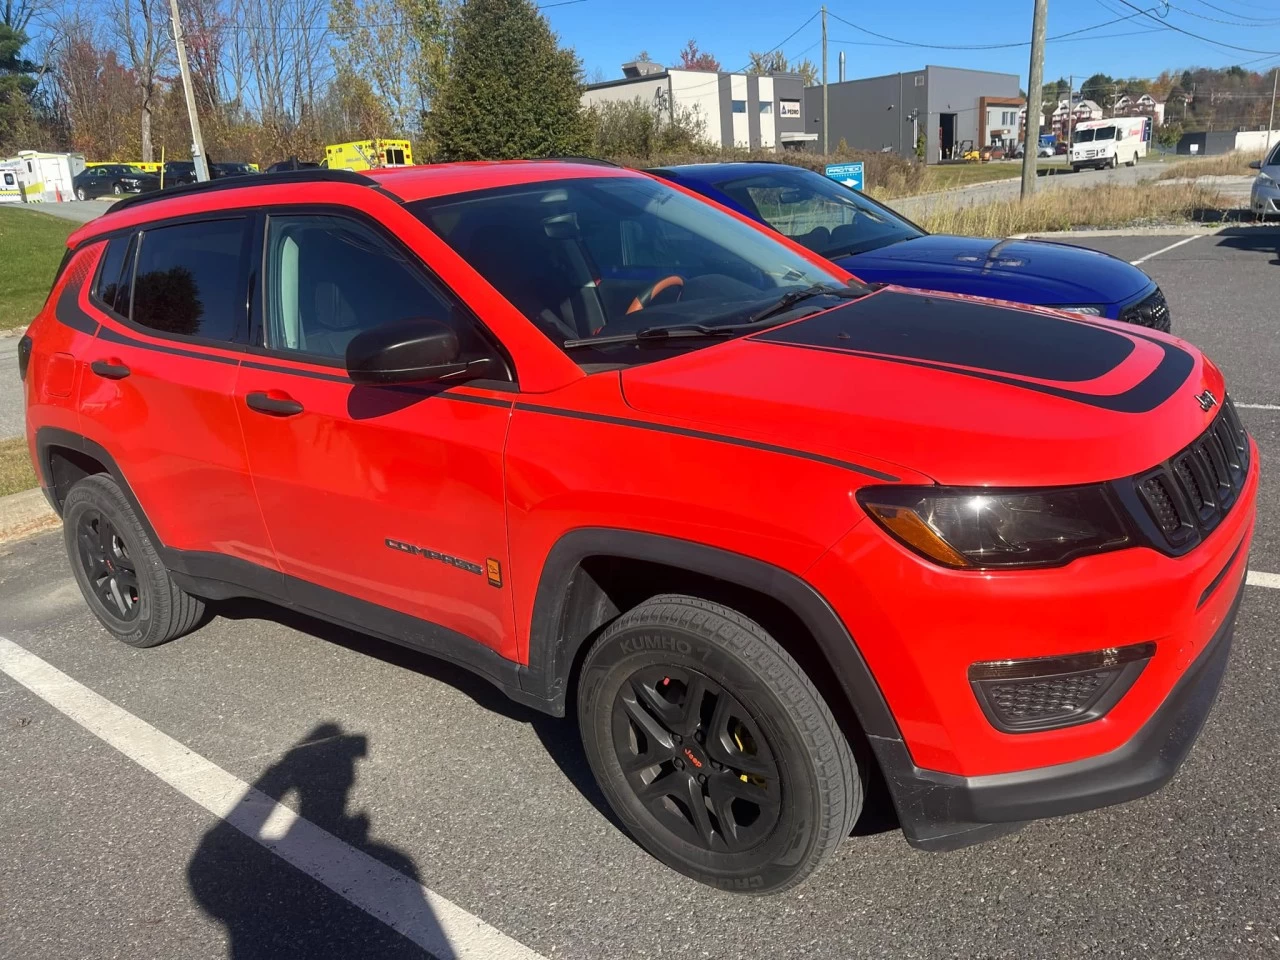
142,29
775,61
691,58
511,89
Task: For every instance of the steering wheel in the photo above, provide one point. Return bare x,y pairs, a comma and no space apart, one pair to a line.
643,300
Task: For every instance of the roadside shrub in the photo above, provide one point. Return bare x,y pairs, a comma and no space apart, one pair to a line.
633,128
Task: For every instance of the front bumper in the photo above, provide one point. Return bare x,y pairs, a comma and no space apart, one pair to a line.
941,811
1264,199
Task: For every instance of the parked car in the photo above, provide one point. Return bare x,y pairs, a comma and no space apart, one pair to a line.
179,172
114,179
231,170
1264,198
878,245
767,531
293,163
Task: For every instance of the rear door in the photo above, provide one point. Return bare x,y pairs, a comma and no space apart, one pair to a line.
159,390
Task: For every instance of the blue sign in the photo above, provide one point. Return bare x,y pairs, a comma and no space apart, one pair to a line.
850,174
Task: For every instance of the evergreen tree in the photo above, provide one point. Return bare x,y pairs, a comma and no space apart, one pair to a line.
511,90
17,84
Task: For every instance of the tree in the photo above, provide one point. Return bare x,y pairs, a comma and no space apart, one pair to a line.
511,90
775,61
638,130
143,30
17,84
691,58
398,47
1098,88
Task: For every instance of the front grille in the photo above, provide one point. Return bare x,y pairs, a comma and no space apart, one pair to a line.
1152,311
1025,702
1188,495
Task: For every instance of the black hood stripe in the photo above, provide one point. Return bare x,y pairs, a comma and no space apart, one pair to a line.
1004,344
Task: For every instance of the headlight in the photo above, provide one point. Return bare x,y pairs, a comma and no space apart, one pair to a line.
1089,311
1265,180
979,528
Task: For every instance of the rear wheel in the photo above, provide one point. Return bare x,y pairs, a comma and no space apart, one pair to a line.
80,194
714,748
118,569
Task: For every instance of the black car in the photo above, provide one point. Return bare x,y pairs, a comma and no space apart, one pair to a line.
292,163
218,170
178,172
115,179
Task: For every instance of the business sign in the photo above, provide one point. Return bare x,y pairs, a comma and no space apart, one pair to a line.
789,108
850,174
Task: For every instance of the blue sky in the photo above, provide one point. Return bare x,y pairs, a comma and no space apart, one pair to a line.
607,32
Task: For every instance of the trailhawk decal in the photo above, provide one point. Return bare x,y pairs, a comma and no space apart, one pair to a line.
1022,348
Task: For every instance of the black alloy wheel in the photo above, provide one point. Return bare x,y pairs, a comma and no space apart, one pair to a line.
111,573
695,758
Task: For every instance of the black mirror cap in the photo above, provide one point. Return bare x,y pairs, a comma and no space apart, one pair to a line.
407,351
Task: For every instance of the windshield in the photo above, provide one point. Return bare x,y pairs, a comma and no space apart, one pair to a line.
1092,133
599,257
817,212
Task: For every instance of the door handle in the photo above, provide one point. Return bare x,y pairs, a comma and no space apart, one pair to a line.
111,369
273,406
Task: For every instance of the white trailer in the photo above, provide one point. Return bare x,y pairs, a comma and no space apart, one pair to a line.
1109,143
46,176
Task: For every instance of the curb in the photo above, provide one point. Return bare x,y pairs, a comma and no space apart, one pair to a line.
23,514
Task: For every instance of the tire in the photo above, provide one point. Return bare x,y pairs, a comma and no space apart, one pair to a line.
117,189
1135,161
1114,161
1075,168
767,784
118,569
80,194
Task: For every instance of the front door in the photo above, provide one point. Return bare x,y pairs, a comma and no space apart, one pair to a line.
389,495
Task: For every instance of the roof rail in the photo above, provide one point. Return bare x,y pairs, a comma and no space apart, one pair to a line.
572,159
312,175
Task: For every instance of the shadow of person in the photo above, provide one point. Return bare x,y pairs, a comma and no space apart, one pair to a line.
270,875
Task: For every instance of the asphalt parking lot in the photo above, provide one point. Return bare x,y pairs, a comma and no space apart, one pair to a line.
418,770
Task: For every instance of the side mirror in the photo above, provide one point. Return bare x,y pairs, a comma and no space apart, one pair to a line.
1255,164
407,351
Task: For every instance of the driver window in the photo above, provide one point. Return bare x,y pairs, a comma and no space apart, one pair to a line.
329,278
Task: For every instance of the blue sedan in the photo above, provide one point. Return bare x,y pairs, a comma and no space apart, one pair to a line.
879,246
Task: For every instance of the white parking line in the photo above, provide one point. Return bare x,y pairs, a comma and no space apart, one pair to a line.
1259,406
432,922
1160,251
1257,578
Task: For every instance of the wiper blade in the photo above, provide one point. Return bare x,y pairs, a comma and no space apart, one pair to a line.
702,331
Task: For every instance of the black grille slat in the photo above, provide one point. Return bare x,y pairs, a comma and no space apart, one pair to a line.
1189,494
1152,311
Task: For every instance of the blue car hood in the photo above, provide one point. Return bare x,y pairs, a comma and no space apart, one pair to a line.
1026,271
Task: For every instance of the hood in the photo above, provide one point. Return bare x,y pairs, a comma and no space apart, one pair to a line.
961,390
1028,271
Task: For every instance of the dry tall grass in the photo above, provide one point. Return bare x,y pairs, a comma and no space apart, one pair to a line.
15,466
1102,206
1235,163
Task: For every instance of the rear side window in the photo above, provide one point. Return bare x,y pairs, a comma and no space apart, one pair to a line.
188,279
112,288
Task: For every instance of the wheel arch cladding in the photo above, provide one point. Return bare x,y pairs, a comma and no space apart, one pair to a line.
65,458
583,588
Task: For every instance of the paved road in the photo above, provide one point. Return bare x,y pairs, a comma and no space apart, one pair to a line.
1009,189
426,769
12,415
81,211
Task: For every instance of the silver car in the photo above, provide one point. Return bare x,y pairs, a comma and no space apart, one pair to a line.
1264,199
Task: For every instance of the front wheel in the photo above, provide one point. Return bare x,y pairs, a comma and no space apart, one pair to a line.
714,748
1114,161
1075,168
117,189
80,194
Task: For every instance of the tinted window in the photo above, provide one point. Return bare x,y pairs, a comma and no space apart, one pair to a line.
583,257
188,279
330,278
112,289
817,212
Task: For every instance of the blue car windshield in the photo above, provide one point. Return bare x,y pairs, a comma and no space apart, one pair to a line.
818,213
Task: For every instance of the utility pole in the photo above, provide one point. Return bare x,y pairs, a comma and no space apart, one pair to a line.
826,146
1071,110
197,141
1035,99
1275,73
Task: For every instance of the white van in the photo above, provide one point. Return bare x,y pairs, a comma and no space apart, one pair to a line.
1108,143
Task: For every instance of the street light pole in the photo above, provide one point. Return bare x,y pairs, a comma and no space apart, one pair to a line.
1035,98
826,144
197,140
1275,73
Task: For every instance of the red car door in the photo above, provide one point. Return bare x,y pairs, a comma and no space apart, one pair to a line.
385,495
158,392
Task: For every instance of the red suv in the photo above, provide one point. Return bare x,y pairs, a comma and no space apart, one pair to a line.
772,534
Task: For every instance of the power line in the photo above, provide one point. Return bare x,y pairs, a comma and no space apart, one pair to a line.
1230,23
1242,16
1098,36
894,41
1195,36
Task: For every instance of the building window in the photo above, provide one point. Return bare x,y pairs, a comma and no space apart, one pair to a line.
739,106
766,107
920,80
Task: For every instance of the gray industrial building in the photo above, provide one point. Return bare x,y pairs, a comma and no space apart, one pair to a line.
947,105
737,109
